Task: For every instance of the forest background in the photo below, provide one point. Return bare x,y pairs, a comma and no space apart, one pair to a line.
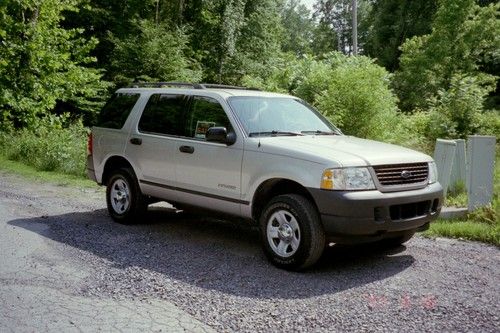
425,69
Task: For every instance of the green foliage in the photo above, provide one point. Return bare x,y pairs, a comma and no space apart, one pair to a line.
391,23
259,46
358,99
52,144
298,28
337,16
163,55
42,63
353,92
324,39
463,36
455,112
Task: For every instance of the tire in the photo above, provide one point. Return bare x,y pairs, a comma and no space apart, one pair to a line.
126,204
292,234
397,241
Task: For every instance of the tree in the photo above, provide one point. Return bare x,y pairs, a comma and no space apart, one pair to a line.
298,28
464,36
337,14
41,63
325,39
163,55
391,23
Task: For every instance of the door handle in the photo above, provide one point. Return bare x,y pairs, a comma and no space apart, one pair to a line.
187,149
136,141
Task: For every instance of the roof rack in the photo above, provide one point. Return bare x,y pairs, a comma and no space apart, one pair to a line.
186,85
223,86
165,84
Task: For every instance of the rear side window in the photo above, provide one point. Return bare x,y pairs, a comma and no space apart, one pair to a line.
163,115
116,111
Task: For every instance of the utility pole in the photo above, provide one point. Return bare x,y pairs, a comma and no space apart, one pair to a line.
354,27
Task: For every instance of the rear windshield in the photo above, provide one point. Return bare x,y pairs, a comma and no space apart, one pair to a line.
115,112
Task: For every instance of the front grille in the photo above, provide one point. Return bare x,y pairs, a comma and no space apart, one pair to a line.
401,174
410,210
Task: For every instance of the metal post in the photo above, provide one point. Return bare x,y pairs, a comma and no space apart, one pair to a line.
458,170
481,162
354,27
444,154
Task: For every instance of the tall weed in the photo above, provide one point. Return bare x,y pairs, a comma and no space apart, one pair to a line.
53,144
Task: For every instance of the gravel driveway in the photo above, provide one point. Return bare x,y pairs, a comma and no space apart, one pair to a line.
65,266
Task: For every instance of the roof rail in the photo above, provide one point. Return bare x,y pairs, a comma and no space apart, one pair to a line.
186,85
165,84
223,86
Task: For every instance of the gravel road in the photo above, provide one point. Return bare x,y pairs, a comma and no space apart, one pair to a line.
65,266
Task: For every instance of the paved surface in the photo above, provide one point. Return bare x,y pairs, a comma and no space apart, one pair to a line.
64,266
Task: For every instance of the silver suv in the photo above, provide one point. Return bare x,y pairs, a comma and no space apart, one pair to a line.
260,156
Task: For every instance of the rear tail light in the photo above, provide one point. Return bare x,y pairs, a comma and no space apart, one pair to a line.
89,144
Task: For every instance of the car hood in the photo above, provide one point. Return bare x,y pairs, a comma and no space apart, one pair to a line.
339,150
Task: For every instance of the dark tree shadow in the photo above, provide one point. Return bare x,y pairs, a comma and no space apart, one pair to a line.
215,254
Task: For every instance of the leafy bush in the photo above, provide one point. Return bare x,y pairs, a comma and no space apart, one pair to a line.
358,100
51,145
455,113
353,92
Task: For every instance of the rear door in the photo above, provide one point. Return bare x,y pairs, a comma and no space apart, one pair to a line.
152,144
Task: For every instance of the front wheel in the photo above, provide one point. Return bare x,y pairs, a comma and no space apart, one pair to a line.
124,199
292,233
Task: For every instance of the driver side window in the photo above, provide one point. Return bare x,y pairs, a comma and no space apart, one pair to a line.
205,112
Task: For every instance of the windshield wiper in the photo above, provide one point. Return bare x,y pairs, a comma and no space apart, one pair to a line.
318,132
275,133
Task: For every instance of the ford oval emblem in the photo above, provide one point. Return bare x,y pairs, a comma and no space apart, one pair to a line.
405,174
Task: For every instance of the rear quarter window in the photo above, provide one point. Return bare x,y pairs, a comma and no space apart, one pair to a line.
116,111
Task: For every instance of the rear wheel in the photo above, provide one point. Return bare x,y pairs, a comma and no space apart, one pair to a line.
291,231
124,199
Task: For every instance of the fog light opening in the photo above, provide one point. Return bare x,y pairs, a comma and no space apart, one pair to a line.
435,205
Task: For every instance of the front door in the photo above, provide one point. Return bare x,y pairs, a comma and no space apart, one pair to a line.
208,174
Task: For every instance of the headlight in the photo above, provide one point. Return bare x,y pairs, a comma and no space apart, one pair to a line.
347,179
433,173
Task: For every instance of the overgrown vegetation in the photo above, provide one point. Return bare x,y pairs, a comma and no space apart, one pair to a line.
52,144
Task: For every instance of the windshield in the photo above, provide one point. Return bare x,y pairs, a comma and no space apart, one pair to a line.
279,116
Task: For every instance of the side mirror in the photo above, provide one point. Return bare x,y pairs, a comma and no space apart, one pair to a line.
219,134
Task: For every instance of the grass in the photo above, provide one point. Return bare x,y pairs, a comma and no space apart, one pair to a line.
465,229
30,172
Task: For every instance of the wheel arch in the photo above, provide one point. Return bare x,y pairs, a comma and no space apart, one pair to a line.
273,187
114,163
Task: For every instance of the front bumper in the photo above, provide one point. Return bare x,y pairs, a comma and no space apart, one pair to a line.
375,215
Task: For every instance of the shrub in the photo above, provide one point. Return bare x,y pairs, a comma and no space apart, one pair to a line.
353,92
52,144
455,113
358,99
